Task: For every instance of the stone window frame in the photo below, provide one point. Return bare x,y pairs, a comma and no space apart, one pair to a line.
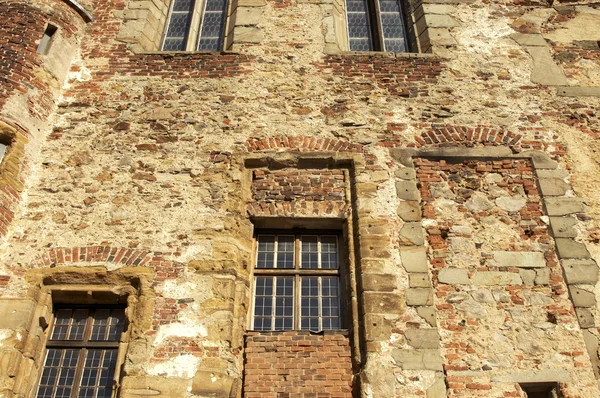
427,19
195,30
62,288
340,273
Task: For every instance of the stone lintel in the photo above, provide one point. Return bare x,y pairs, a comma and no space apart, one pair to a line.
519,259
534,376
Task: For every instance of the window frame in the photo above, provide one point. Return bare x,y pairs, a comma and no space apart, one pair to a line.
84,345
194,33
376,27
298,273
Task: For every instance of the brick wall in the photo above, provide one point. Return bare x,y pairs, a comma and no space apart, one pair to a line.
297,364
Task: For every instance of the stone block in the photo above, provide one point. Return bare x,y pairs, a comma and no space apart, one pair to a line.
244,34
528,276
526,39
248,16
419,280
140,386
578,91
534,376
585,317
252,3
437,389
542,276
553,186
406,173
436,21
412,234
454,276
379,282
407,190
377,327
440,37
414,259
427,313
212,384
580,271
383,303
591,345
563,206
518,259
582,298
418,359
419,296
545,71
15,313
562,227
375,246
569,248
423,338
491,278
409,210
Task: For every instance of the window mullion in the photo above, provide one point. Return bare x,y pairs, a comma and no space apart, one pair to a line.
194,31
377,30
78,373
297,282
274,302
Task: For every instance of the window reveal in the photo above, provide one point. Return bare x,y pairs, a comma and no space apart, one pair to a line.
297,283
81,355
378,25
183,33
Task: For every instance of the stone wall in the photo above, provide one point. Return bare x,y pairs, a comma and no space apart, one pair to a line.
463,182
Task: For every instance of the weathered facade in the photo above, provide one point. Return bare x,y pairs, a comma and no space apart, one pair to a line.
450,195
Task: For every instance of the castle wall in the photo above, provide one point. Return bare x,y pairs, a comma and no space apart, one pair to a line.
462,183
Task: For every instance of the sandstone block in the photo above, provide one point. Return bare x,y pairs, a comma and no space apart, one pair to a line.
248,16
245,34
525,39
440,37
407,190
419,280
562,227
553,186
545,71
212,384
437,389
580,271
409,210
15,313
406,173
419,296
542,276
412,234
569,248
454,276
383,303
533,376
573,91
423,338
414,259
377,327
419,359
379,282
427,313
528,276
134,386
252,3
582,298
490,278
511,203
563,206
585,317
519,259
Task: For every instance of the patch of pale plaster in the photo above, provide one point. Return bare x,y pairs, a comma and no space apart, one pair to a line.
182,366
477,40
180,329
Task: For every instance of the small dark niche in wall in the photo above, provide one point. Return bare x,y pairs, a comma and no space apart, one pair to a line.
541,390
47,39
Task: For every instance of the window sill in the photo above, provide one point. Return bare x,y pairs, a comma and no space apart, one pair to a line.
382,54
343,332
183,53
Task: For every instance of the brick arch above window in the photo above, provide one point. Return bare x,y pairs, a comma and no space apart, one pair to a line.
470,136
301,144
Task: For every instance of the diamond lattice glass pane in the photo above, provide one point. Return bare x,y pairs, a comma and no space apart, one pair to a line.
179,25
183,5
359,27
392,25
213,25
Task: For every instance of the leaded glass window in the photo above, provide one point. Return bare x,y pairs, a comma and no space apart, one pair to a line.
196,25
377,25
297,282
81,355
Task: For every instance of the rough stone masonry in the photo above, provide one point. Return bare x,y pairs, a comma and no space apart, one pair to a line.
459,182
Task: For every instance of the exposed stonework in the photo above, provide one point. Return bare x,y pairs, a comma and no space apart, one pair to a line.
461,183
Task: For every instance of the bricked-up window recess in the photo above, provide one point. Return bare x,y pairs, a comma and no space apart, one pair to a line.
379,25
541,390
196,25
81,353
297,282
46,40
